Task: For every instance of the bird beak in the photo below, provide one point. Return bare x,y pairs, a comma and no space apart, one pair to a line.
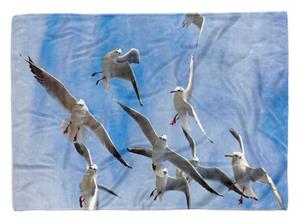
228,155
173,91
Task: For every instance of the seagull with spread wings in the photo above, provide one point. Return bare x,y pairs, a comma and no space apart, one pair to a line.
80,116
207,173
119,67
88,186
164,183
244,174
161,151
211,173
182,105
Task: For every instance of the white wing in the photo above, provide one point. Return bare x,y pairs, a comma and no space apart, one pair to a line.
238,137
183,164
103,136
53,87
124,71
193,114
260,175
132,56
143,122
83,151
189,88
180,184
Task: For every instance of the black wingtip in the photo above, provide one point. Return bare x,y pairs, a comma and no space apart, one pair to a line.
78,147
231,130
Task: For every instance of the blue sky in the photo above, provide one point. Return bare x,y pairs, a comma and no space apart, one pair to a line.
241,82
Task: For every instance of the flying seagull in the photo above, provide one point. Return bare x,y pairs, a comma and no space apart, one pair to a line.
244,174
211,173
207,173
182,106
196,19
88,186
161,151
116,66
80,116
165,183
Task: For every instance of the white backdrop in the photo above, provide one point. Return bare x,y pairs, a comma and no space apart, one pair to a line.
13,7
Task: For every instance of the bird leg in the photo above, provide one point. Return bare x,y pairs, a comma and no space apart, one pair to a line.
152,193
81,200
176,117
75,137
103,77
241,201
67,128
95,73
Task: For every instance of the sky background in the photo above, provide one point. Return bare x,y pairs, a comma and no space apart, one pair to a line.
240,82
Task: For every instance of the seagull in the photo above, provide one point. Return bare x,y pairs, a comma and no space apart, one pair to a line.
196,19
210,173
182,106
161,151
165,183
80,116
88,186
116,66
244,174
207,173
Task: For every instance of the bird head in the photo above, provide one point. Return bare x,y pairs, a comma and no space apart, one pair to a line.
178,89
163,137
81,104
236,156
194,161
93,168
118,51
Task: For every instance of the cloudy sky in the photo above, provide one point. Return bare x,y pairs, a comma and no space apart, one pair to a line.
240,81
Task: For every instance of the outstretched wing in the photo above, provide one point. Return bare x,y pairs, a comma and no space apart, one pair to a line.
193,114
140,151
143,122
216,174
238,137
183,164
53,87
83,151
191,142
124,71
189,88
103,136
132,56
179,184
260,175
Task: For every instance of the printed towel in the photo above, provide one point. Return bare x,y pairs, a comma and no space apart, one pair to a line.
150,111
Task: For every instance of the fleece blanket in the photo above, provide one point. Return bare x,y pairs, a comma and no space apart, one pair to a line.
171,111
